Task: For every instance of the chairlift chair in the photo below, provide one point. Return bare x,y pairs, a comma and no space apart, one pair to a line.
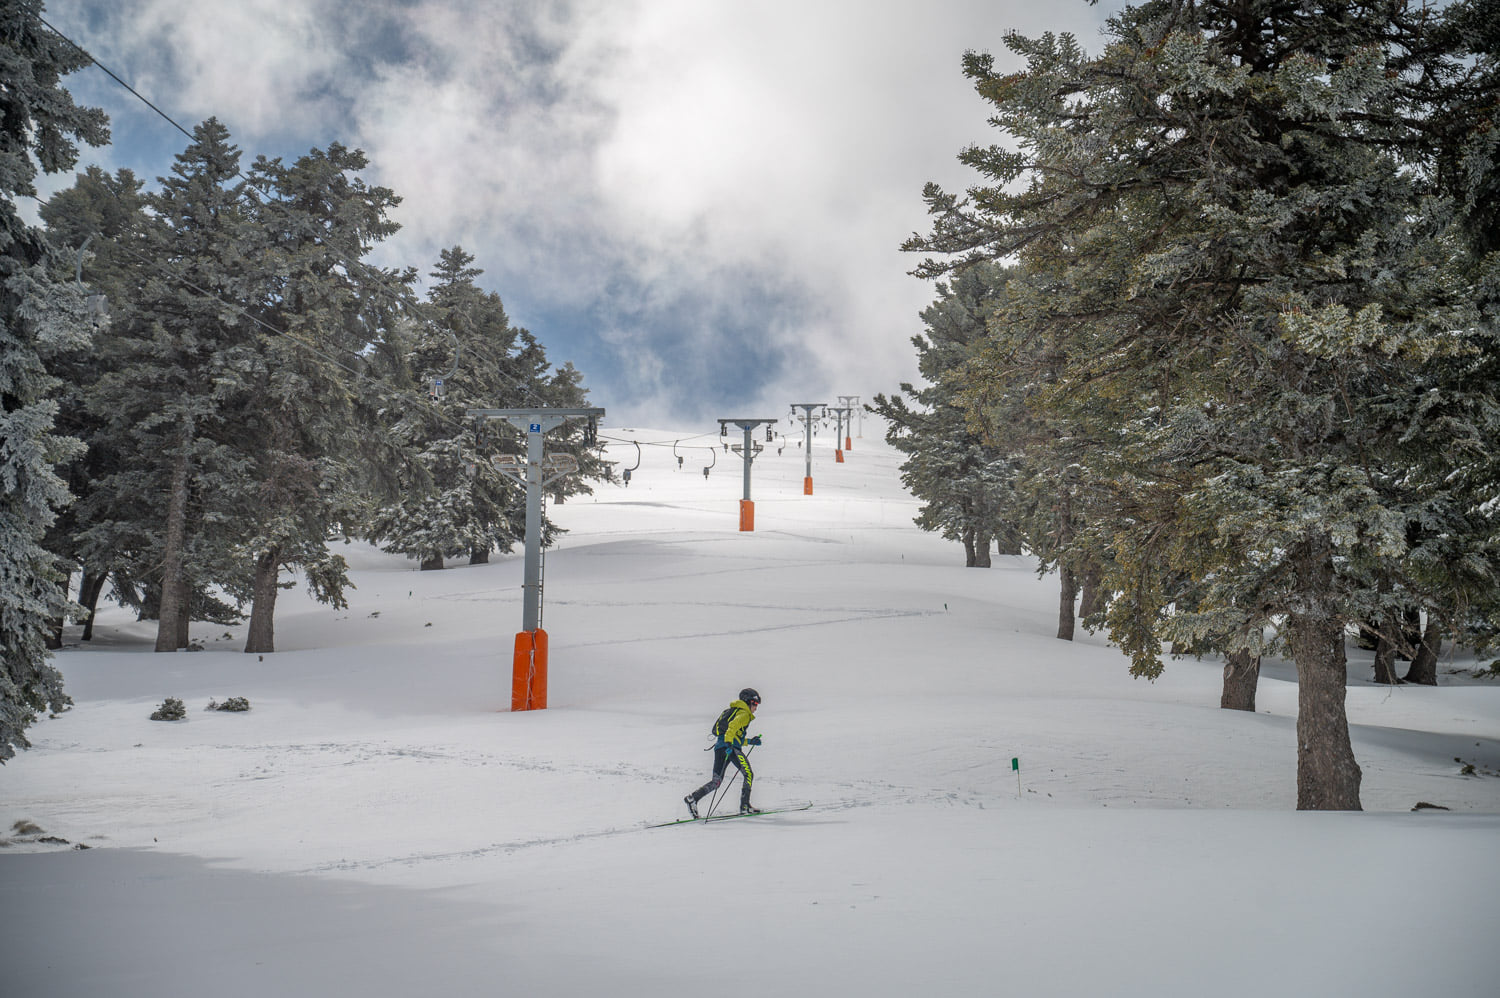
626,473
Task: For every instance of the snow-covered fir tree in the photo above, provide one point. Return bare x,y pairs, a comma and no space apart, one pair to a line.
964,477
1240,246
94,223
39,319
323,306
451,500
182,392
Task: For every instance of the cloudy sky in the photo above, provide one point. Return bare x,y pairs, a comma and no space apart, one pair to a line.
698,203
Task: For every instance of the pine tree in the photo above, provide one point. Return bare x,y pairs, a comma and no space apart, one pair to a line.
39,319
94,223
1231,224
966,482
179,398
451,500
323,306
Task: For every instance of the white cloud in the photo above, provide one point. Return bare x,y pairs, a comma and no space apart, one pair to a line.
259,65
793,139
717,190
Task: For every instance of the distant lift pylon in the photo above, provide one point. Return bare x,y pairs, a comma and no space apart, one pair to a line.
807,413
747,451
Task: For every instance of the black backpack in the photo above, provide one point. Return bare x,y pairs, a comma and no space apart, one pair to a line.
722,724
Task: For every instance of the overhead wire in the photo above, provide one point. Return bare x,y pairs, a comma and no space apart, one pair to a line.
249,185
37,13
654,443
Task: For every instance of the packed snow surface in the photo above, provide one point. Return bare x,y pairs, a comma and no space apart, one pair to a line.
380,824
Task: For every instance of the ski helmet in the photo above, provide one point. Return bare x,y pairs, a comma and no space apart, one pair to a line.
749,696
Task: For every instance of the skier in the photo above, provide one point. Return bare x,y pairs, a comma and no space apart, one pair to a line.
729,729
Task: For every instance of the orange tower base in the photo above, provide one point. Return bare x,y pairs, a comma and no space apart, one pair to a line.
528,676
807,486
747,514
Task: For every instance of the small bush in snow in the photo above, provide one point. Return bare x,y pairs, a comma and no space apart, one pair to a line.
233,703
171,709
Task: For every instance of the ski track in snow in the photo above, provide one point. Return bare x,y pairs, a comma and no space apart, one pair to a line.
890,796
854,617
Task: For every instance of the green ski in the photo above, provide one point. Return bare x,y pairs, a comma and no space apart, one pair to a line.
729,817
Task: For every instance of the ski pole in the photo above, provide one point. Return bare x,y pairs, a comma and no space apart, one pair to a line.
724,792
713,805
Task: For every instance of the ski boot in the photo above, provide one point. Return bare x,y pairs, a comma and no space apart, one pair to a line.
692,805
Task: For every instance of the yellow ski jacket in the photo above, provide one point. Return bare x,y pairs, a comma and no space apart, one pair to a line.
730,728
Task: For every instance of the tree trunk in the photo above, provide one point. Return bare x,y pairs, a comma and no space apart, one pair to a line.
1008,541
1385,653
1328,777
1424,664
479,557
969,557
262,633
1065,616
981,549
1241,677
54,639
89,590
1069,582
432,564
1412,638
150,608
172,614
1092,601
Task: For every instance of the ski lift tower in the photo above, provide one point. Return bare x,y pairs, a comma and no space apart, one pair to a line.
528,689
747,508
807,409
839,438
851,402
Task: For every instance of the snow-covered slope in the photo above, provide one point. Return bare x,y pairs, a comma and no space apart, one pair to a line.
380,824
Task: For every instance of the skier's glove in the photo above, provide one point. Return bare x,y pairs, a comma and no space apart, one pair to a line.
753,741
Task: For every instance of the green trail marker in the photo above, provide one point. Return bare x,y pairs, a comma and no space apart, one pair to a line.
1016,765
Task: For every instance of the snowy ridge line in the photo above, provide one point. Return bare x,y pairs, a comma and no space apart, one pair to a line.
713,508
868,611
416,859
896,797
738,570
741,568
477,597
731,631
275,759
500,594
